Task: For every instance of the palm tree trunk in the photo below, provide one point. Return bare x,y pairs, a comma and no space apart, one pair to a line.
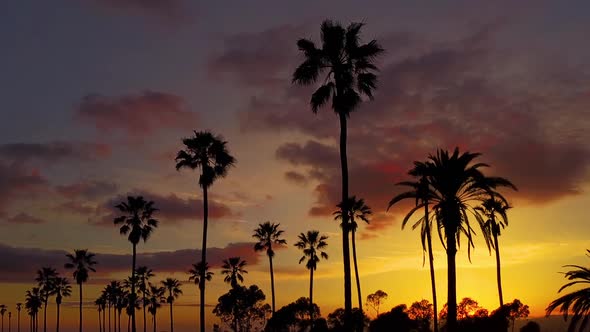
80,318
272,284
143,305
99,322
120,321
499,274
452,283
57,323
154,322
311,297
171,319
203,257
45,313
18,321
345,230
109,317
356,271
133,329
431,263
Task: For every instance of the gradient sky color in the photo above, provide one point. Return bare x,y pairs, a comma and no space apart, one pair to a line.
96,95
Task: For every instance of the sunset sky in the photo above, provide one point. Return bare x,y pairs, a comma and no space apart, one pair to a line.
97,94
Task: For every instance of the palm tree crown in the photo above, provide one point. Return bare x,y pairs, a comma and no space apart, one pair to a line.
82,263
312,244
268,234
357,209
137,219
233,268
195,273
172,286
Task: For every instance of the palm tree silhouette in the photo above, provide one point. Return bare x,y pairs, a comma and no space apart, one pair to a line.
233,268
268,234
455,184
3,310
137,221
33,303
356,210
45,280
494,212
350,73
312,245
208,153
172,286
82,263
576,303
420,192
112,292
18,308
156,297
61,289
143,276
195,273
100,304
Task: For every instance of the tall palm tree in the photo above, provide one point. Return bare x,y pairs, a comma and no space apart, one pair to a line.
82,262
18,309
420,192
456,183
61,289
143,276
576,303
3,310
138,223
156,297
350,73
45,280
208,153
312,245
357,209
172,286
233,268
268,234
495,219
33,303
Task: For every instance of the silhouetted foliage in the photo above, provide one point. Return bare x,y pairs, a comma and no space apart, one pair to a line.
376,299
233,268
45,280
531,327
516,310
82,262
242,309
268,234
144,274
396,320
422,313
336,320
294,315
312,244
172,286
61,289
196,270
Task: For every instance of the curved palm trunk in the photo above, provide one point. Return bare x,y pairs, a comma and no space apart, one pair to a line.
345,230
171,319
203,258
311,297
133,329
431,263
272,284
452,283
80,303
356,271
498,273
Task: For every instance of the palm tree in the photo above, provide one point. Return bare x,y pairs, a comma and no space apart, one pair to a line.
312,245
82,263
195,273
576,303
143,276
233,268
45,280
3,310
350,73
357,209
208,153
137,221
268,234
156,297
61,289
112,293
173,287
33,303
496,219
100,304
18,308
455,183
420,192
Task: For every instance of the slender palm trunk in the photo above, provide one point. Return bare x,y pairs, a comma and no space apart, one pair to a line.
431,263
143,305
57,323
109,317
356,271
154,322
499,274
345,230
452,283
18,321
45,313
128,324
80,303
133,297
272,284
171,319
119,324
203,257
311,297
99,322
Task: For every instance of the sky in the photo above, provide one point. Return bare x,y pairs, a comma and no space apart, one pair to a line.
96,96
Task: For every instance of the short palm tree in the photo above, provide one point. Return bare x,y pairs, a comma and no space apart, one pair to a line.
357,209
268,234
3,309
33,303
419,191
208,153
576,303
113,291
82,262
495,219
61,289
100,304
19,306
156,298
195,273
350,73
233,268
312,244
45,280
138,223
172,286
143,276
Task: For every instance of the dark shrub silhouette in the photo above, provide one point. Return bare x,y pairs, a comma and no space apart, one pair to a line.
294,316
242,309
531,327
337,323
396,320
